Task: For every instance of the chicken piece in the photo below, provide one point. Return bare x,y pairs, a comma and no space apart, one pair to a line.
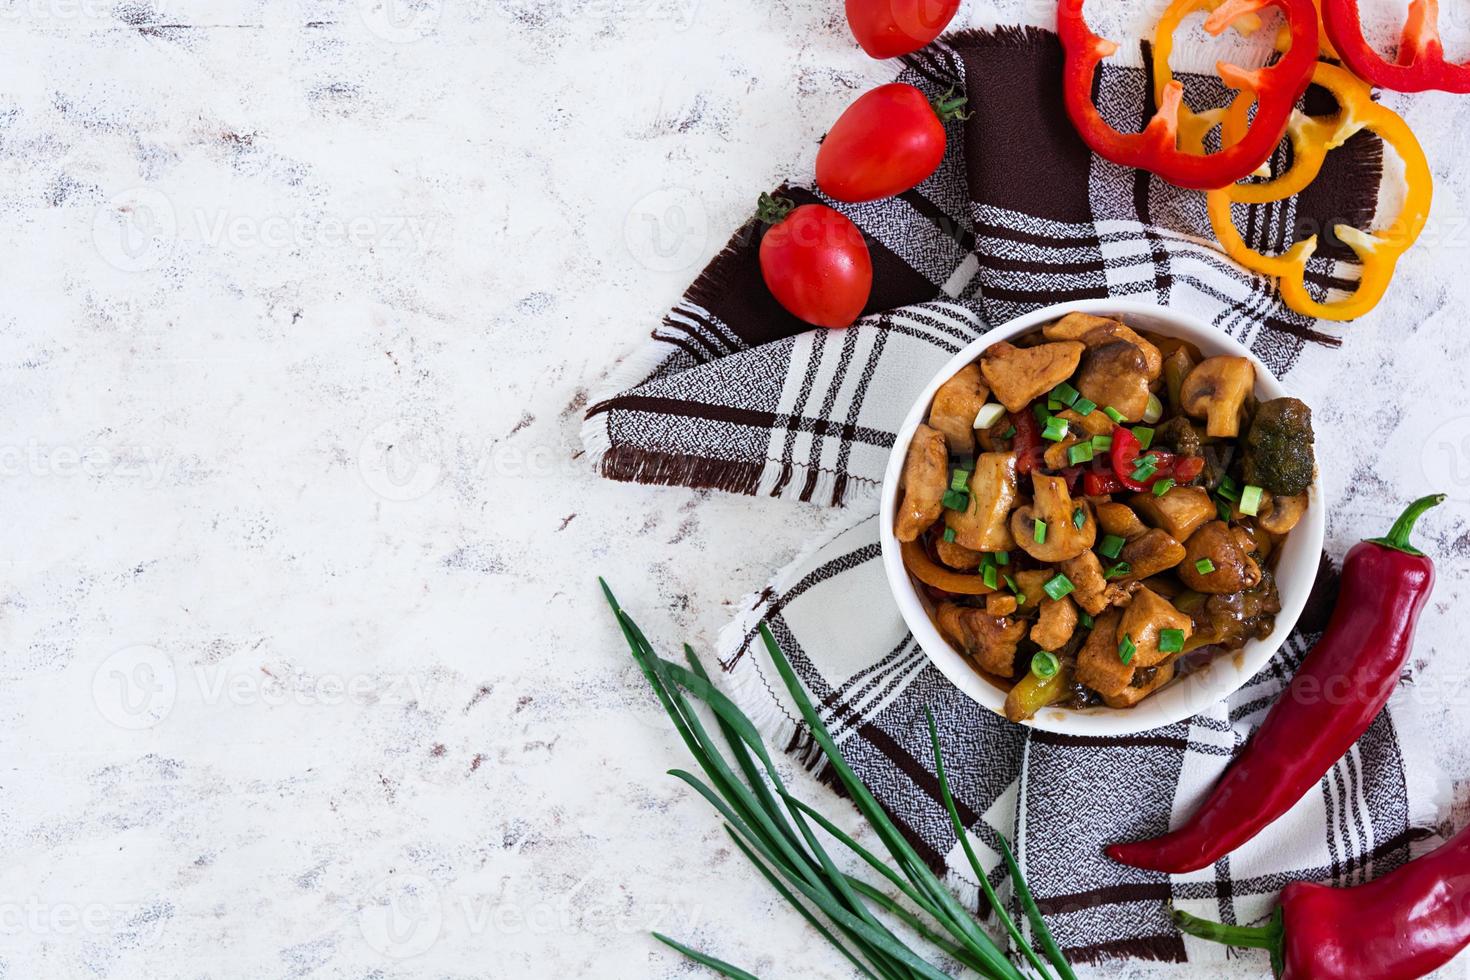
1053,505
956,555
1152,680
1116,375
1055,456
983,525
1180,511
1058,620
1031,583
1151,554
1000,604
1019,374
1120,519
1216,391
1148,613
955,406
1094,423
1098,664
1230,569
925,478
1092,592
1094,331
990,640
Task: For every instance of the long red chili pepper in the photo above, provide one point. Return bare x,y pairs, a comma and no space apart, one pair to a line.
1275,87
1339,689
1421,64
1406,924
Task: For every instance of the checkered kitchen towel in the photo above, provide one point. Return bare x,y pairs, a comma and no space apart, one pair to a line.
734,393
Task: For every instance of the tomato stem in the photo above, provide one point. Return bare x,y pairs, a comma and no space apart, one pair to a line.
948,106
771,209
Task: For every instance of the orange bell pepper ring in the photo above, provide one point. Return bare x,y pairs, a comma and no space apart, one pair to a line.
924,569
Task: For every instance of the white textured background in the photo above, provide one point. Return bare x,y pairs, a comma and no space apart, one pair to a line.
303,301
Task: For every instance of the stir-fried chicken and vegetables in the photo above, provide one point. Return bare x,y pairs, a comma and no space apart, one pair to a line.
1094,511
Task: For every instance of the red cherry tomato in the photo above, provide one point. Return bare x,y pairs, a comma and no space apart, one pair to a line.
890,28
815,262
883,144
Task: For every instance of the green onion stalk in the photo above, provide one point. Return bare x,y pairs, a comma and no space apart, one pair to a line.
777,832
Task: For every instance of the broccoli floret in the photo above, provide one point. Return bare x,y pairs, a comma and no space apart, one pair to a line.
1279,448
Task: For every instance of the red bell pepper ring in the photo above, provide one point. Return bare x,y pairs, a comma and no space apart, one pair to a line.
1096,484
1420,66
1027,442
1275,89
1125,455
1406,924
1341,686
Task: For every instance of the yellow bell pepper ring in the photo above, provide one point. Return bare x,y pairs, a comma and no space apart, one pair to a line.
1378,250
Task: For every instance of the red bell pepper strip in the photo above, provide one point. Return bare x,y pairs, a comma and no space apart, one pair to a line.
1420,66
1126,452
1337,692
1275,88
1096,484
1027,442
1406,924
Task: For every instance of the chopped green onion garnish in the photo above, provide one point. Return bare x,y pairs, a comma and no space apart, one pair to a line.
1058,587
1102,443
990,577
1229,488
1002,557
1079,518
1009,433
1020,598
1065,393
1039,410
1144,435
1011,584
956,500
1080,453
1250,500
1056,429
1112,546
1143,472
1163,486
959,480
1045,664
949,535
1126,649
988,415
1084,407
1040,533
1222,508
1204,566
1171,641
1114,414
1117,571
1154,411
1085,619
1053,404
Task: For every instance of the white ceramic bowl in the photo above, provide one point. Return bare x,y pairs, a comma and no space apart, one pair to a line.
1296,566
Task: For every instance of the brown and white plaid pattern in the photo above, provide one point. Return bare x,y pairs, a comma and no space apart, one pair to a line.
734,393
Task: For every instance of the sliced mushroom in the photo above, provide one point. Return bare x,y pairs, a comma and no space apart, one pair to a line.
1116,375
1176,368
1283,513
982,526
1092,592
1098,664
1053,505
1120,519
1216,391
955,406
956,555
1094,331
1019,374
1094,423
1054,628
1152,680
990,640
1180,511
1153,552
1145,616
1055,456
925,478
1232,569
